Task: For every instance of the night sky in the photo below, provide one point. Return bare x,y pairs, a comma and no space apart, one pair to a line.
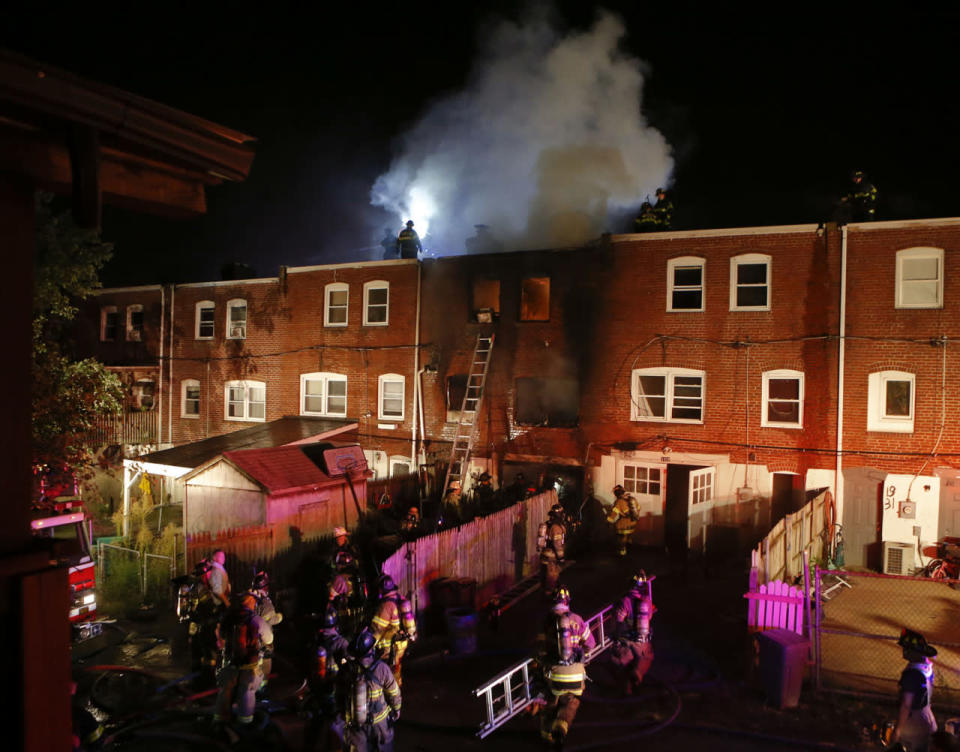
764,114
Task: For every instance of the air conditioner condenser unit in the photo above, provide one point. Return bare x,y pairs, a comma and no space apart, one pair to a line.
897,557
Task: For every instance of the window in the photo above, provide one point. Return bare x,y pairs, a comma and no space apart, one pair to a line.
456,391
667,394
782,399
535,299
134,323
891,396
547,402
685,284
400,466
236,319
204,319
190,398
336,297
642,480
391,396
486,299
701,486
376,308
920,278
108,323
750,282
245,400
323,394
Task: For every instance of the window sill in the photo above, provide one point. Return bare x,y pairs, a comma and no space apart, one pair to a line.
791,426
190,417
322,415
246,420
661,420
385,323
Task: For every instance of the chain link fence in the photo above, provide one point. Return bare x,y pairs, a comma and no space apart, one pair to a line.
127,577
859,617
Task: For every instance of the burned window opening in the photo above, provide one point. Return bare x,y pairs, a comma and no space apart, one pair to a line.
547,402
486,300
535,299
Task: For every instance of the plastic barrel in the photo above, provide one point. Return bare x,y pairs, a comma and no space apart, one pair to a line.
462,628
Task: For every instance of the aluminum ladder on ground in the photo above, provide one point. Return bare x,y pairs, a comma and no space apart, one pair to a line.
466,426
512,691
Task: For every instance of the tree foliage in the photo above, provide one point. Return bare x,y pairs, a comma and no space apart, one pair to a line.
68,395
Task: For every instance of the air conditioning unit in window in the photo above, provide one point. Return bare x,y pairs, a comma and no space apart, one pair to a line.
238,331
897,557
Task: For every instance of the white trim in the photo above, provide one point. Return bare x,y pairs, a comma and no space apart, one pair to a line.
686,262
357,265
231,282
392,378
328,289
325,377
909,254
231,331
104,310
902,224
877,418
669,396
750,259
782,374
716,233
368,287
132,309
398,459
246,385
204,305
184,385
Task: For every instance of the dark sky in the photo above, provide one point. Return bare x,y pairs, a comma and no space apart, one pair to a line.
766,113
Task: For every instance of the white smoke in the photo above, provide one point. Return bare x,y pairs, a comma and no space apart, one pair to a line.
544,145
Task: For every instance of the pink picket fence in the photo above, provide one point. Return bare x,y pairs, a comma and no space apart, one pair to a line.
775,605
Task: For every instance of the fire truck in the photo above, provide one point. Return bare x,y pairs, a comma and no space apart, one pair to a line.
59,521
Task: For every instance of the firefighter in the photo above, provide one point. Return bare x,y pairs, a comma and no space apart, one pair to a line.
86,730
408,242
369,698
861,199
663,210
393,625
561,651
260,589
410,523
216,580
346,559
197,604
623,515
915,720
329,653
633,649
242,636
550,546
646,220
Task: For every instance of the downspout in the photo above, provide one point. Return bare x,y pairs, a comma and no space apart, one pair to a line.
838,481
416,370
173,291
163,313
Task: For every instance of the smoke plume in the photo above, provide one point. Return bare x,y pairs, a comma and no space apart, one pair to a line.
545,144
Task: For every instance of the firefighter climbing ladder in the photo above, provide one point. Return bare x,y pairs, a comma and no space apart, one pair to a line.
511,692
469,409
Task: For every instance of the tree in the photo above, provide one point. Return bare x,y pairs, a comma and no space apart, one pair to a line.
68,395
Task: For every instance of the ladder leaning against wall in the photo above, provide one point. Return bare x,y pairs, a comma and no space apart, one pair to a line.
469,409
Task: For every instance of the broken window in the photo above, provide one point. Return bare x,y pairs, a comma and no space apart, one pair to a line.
456,391
108,323
135,323
486,299
547,402
535,299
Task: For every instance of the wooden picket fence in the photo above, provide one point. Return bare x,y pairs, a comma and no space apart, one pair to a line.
247,548
779,556
775,605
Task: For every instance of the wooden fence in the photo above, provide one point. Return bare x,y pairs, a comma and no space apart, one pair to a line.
775,605
495,551
126,428
779,556
247,549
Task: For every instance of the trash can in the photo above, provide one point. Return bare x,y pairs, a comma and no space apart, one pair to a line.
462,628
783,660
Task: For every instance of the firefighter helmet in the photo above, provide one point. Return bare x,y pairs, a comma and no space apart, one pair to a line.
561,600
641,583
386,585
409,223
330,617
916,642
340,532
857,175
363,644
248,601
618,490
261,581
454,485
556,511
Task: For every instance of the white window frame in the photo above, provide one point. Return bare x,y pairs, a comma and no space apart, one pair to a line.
204,305
912,254
237,303
377,284
328,307
747,259
781,374
247,387
391,378
325,377
184,386
397,459
632,484
686,262
670,375
134,335
877,417
104,312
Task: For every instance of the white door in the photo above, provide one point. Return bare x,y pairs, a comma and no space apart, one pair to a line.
700,498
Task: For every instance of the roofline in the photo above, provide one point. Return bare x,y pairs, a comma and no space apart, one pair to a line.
354,265
902,224
718,233
227,283
133,288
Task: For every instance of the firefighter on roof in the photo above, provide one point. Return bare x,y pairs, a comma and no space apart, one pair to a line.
633,650
562,647
646,220
243,636
369,698
663,210
551,535
408,242
393,625
623,515
861,198
330,651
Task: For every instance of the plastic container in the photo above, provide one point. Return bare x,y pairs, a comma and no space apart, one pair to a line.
462,629
783,661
